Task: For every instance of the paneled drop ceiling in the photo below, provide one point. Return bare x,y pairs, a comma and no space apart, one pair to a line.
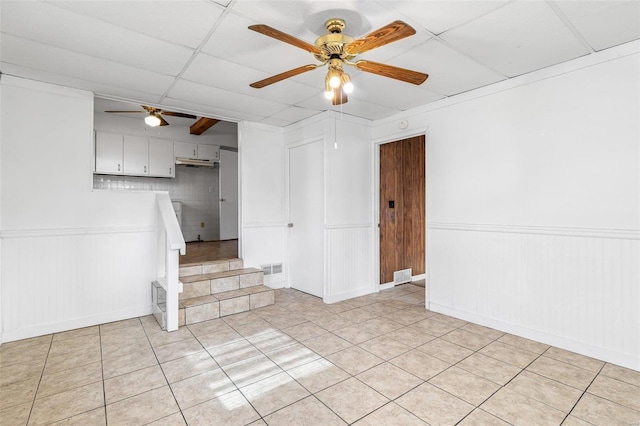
198,56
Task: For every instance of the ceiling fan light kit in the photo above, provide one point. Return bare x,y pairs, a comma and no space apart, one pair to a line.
152,120
336,49
154,117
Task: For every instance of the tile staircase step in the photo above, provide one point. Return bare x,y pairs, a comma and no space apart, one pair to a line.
203,308
209,267
218,282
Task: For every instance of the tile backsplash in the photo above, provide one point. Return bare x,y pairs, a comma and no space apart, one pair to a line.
197,189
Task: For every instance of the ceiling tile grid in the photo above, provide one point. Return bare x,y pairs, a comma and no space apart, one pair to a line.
199,55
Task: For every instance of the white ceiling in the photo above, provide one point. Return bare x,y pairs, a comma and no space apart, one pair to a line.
198,56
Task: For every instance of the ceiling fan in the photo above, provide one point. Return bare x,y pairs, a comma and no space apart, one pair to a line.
336,49
155,115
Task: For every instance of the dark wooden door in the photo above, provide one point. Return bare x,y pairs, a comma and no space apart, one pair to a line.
402,207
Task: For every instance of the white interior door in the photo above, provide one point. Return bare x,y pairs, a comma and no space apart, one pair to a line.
306,217
228,195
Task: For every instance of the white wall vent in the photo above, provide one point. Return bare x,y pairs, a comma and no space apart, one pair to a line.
266,269
275,268
402,276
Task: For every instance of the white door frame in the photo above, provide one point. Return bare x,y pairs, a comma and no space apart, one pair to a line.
376,205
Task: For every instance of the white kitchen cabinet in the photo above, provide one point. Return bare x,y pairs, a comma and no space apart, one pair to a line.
185,149
209,152
198,151
136,155
161,158
109,153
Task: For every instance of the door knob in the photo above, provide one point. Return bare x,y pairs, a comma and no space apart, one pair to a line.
290,225
223,199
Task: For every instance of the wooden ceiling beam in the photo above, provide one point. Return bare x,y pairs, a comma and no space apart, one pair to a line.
202,125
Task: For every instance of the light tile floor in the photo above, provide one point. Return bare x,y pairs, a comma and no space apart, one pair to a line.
380,359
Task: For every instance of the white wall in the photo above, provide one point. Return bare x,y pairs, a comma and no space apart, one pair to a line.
71,257
348,218
348,206
533,210
262,194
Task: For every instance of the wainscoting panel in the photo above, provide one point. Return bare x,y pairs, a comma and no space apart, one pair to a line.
349,263
574,288
66,279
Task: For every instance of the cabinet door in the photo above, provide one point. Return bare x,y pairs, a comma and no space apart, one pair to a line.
185,149
109,153
136,155
161,159
209,152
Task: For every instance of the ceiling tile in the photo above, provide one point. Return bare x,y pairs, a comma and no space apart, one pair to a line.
306,19
604,23
234,42
164,20
207,95
275,122
294,113
60,61
63,80
210,111
217,72
391,93
226,75
68,30
354,107
521,37
440,16
449,71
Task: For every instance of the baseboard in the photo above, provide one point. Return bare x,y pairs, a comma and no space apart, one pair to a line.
386,286
348,295
624,360
41,330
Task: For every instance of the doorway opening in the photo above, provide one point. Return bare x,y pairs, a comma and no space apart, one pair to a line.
402,211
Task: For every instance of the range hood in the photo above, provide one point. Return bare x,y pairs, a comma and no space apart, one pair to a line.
194,162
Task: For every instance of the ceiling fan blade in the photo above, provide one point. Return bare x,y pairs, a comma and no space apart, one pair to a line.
202,125
395,31
279,77
279,35
339,97
402,74
127,112
163,122
178,114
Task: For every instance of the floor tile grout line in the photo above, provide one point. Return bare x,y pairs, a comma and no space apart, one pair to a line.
390,400
470,372
509,381
44,366
163,374
583,393
104,387
586,390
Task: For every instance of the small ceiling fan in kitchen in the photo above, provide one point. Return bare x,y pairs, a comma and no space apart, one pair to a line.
336,49
154,115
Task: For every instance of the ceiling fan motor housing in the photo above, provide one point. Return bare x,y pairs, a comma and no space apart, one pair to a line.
332,44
